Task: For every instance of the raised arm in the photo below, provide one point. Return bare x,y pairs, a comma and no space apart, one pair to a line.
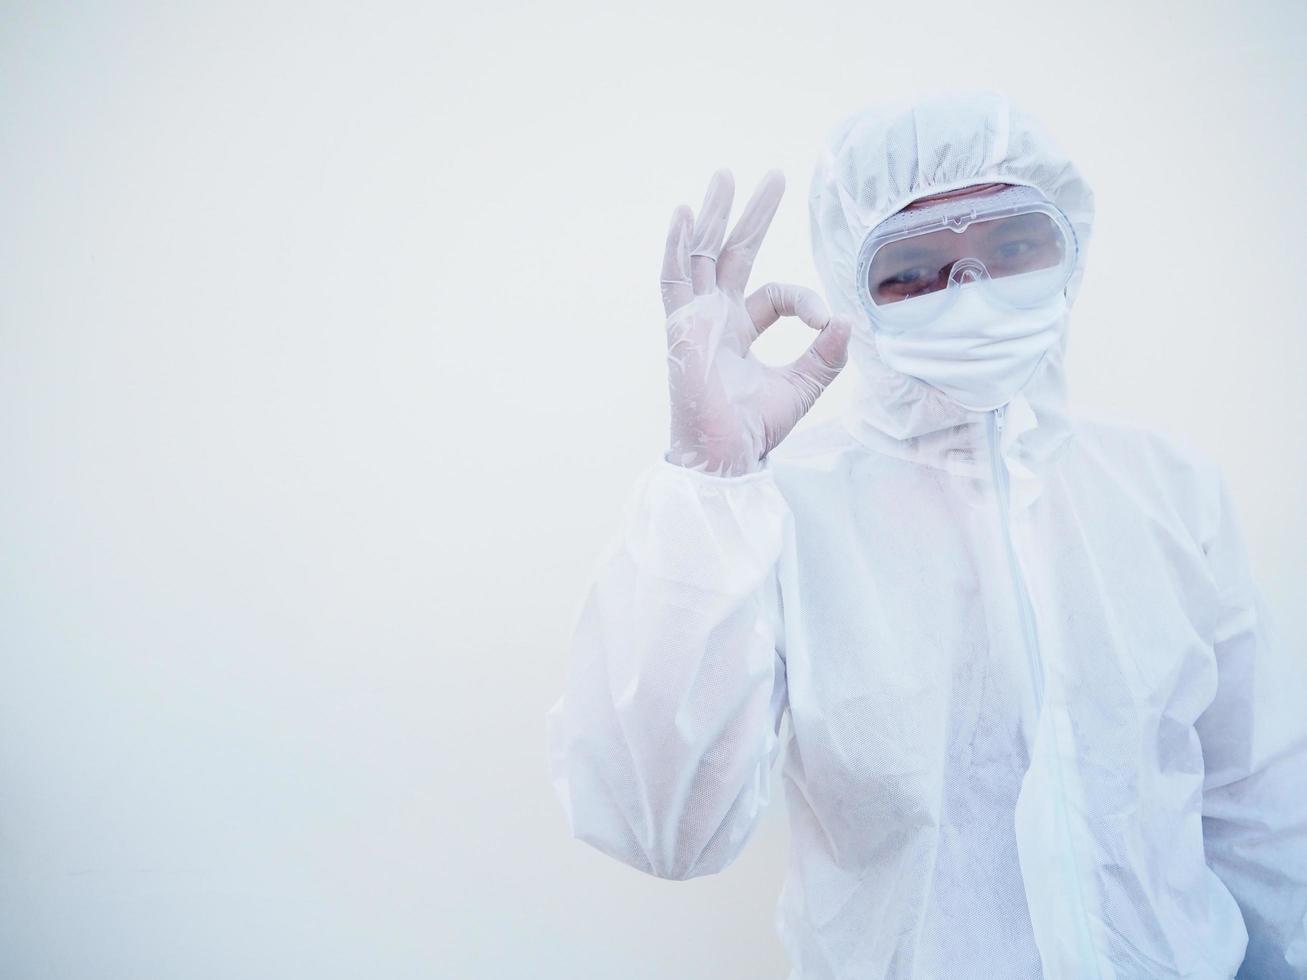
661,747
662,744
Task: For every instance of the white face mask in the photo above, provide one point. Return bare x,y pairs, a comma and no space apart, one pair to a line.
978,353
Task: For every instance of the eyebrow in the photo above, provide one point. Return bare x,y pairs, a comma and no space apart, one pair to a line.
1015,224
910,254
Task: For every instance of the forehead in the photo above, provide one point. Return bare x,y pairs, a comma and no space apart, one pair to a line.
974,190
982,230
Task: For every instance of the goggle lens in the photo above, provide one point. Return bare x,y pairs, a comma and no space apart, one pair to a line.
1000,248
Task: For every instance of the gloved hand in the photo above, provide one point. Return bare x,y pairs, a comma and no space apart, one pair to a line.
728,408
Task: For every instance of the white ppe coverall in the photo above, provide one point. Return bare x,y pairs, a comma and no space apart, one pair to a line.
1039,723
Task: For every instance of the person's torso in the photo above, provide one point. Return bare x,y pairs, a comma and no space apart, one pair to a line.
992,700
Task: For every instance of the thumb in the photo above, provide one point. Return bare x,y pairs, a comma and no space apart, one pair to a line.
827,354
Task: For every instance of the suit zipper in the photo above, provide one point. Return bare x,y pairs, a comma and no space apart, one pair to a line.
1034,661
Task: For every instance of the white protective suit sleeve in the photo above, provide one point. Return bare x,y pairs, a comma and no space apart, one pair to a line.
1254,740
662,744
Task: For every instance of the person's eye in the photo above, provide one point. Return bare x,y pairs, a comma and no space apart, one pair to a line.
910,280
1017,249
908,277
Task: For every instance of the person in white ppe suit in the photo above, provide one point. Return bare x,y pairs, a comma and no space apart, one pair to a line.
1039,723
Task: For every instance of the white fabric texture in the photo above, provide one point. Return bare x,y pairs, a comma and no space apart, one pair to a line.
1039,724
977,352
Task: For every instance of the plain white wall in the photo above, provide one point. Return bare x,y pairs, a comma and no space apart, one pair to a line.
330,346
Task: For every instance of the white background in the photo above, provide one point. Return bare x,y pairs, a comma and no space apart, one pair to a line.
330,345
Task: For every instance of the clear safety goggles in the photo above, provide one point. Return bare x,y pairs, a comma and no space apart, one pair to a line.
1016,243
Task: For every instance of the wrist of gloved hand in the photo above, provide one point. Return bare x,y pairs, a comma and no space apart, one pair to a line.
706,464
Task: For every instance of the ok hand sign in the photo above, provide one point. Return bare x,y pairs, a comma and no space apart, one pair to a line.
728,409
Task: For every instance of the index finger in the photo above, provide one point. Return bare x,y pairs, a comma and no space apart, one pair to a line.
736,259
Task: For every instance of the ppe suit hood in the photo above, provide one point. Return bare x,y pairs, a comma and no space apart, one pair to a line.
873,164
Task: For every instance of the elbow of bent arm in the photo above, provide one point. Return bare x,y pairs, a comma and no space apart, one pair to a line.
666,844
677,821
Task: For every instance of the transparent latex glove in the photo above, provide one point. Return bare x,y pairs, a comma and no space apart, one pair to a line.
728,409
